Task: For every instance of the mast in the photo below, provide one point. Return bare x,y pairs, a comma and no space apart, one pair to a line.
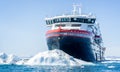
76,9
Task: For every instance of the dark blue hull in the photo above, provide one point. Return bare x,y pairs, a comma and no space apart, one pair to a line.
77,47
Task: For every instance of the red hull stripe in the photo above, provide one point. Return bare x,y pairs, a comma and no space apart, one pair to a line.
69,31
68,34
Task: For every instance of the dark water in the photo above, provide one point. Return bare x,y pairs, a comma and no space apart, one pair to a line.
99,67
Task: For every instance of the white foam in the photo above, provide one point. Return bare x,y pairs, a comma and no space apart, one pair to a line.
111,66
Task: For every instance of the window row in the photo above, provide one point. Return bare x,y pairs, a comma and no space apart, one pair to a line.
63,25
81,20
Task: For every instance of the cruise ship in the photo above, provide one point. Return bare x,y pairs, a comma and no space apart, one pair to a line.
77,34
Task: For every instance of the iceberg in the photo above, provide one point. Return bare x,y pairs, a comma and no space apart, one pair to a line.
54,57
8,59
51,57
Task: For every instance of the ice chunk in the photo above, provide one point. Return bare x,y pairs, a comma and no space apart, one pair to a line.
54,57
3,57
8,59
12,59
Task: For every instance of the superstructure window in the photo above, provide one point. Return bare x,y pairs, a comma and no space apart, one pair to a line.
77,20
64,19
74,20
83,20
57,20
62,25
46,22
92,20
80,20
76,25
86,21
49,22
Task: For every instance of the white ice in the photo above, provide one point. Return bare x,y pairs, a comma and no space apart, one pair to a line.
52,57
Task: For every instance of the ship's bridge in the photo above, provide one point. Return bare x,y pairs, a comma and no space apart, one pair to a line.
71,21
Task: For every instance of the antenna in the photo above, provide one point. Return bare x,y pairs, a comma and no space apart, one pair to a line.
80,10
76,9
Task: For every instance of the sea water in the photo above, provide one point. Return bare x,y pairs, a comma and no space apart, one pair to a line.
106,66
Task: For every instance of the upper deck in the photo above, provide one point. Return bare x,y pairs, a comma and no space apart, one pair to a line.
71,18
72,21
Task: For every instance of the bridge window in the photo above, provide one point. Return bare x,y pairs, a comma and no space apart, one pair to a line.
80,20
92,20
49,22
46,22
83,20
55,20
65,19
